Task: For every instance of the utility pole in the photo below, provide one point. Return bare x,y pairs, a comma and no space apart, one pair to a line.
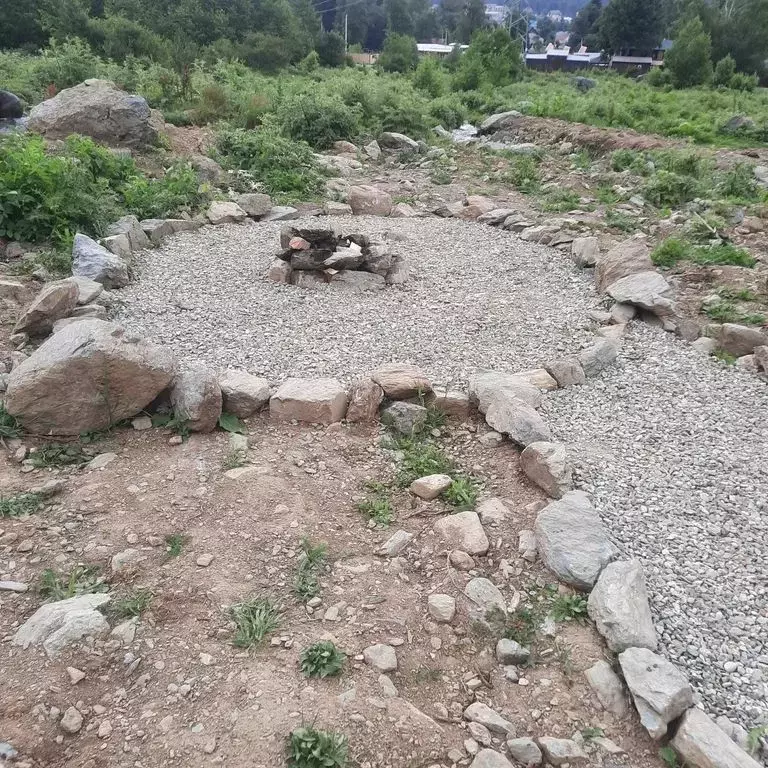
346,32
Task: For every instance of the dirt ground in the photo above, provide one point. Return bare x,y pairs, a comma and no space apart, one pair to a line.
180,694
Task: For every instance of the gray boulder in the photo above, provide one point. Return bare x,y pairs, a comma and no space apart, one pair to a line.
405,418
489,758
660,690
486,599
130,226
526,751
86,377
55,301
399,381
562,751
397,141
547,465
619,607
572,542
485,385
196,398
499,122
739,340
608,688
57,625
96,108
255,204
11,107
243,394
511,652
701,743
381,657
566,372
595,358
512,417
626,258
585,251
91,260
367,200
647,290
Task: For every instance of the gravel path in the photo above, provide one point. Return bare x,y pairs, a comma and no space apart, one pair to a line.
477,297
673,448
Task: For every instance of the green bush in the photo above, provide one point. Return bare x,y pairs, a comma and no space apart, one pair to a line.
309,747
522,173
286,168
668,253
179,189
429,77
738,183
318,120
665,188
399,53
725,69
627,159
689,61
448,112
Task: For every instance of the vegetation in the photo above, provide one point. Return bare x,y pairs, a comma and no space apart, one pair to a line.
569,607
254,619
377,506
674,249
59,455
462,493
174,544
21,504
309,747
132,605
81,580
322,659
311,560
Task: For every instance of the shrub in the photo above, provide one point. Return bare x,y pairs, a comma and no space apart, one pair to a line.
627,159
741,81
493,57
309,63
659,78
738,183
429,77
287,169
399,53
312,748
670,189
322,659
178,190
318,120
522,173
689,61
725,69
668,253
68,63
560,200
448,112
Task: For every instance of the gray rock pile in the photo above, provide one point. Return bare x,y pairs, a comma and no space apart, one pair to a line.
317,255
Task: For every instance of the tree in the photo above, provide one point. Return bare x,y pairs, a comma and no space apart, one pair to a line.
471,20
545,28
330,49
725,69
20,25
399,17
399,54
584,29
632,25
492,58
689,61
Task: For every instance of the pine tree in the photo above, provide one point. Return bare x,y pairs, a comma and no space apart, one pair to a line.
689,61
632,25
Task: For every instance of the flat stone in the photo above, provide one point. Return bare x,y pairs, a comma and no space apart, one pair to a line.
619,606
87,290
547,465
13,586
255,204
381,657
442,608
486,599
511,652
431,486
243,394
512,417
451,403
367,200
660,690
647,290
492,512
626,258
571,540
53,302
526,545
396,543
489,758
526,751
281,213
702,744
463,531
485,386
599,356
562,751
400,381
125,559
75,675
539,378
224,212
478,712
94,261
405,418
204,560
318,401
125,632
608,688
388,688
567,372
101,461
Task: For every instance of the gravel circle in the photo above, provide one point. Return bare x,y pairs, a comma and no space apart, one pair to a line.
673,449
476,297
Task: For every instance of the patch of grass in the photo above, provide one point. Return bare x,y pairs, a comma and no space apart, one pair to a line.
132,605
10,427
673,250
737,294
441,176
582,160
174,544
59,455
81,580
560,200
309,747
738,184
569,607
727,312
173,422
669,252
754,738
627,160
378,505
669,757
254,620
21,504
621,221
724,357
235,457
666,188
462,493
607,195
231,423
592,732
311,559
522,172
420,458
322,659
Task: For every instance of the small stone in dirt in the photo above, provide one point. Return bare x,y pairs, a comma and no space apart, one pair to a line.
140,423
125,632
204,560
175,440
463,531
608,688
105,730
387,686
486,598
489,758
13,586
460,560
75,675
585,251
478,712
206,659
511,652
405,418
72,721
381,657
101,461
525,751
492,512
125,559
511,673
396,543
566,372
562,751
526,545
442,608
431,486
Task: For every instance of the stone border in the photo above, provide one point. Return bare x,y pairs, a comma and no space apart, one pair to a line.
568,533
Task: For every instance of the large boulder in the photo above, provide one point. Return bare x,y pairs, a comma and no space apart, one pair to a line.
10,106
619,607
626,258
99,109
572,541
91,260
196,398
484,386
55,300
647,290
701,743
367,200
499,122
86,377
398,141
739,340
661,692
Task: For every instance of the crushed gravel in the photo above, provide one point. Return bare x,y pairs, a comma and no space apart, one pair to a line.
476,297
672,448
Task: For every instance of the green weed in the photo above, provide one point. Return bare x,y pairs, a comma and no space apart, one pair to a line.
754,738
174,544
378,506
592,732
10,427
724,357
322,659
231,423
569,607
173,422
462,493
21,504
420,458
309,747
254,620
607,195
727,312
673,250
522,173
737,294
132,605
234,458
81,580
311,559
59,455
669,757
665,188
621,221
560,200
